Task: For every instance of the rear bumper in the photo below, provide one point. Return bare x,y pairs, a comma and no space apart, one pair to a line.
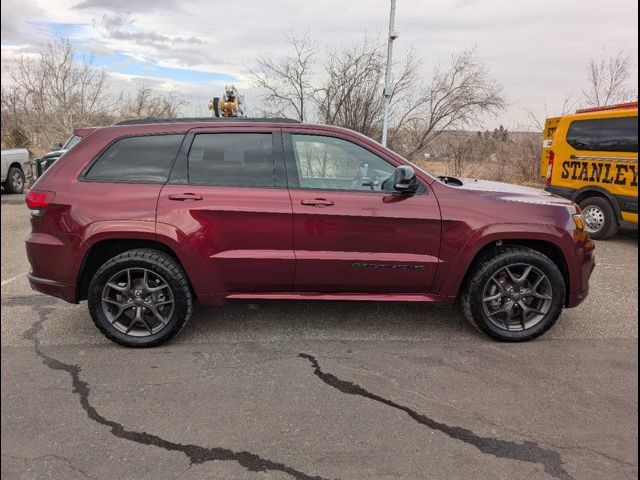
51,287
54,264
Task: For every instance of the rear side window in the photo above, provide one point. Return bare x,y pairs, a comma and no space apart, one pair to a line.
604,135
145,159
232,160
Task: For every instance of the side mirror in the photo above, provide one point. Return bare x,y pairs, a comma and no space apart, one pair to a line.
56,146
404,179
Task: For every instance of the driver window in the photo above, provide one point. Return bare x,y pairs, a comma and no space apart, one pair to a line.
330,163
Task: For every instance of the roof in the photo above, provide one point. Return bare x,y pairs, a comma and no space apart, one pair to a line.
83,132
619,106
146,121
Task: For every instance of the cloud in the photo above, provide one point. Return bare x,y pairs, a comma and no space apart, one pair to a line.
153,38
15,19
196,43
127,5
113,21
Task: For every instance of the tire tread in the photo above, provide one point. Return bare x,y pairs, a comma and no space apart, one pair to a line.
473,284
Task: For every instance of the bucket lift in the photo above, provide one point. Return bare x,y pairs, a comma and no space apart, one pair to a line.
230,105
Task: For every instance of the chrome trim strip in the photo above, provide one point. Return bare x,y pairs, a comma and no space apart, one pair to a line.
594,157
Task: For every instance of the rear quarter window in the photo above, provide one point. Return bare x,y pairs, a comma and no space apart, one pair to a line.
143,159
604,135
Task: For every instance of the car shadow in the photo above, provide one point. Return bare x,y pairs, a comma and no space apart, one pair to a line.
280,320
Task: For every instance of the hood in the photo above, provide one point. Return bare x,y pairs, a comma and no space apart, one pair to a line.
512,193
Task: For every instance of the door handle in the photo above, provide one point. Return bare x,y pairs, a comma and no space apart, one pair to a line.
317,202
185,197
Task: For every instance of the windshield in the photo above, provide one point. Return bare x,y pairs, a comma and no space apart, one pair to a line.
72,142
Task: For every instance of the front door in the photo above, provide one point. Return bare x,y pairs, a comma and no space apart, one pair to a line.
352,231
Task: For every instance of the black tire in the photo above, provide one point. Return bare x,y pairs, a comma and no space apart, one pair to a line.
157,264
605,224
15,180
480,277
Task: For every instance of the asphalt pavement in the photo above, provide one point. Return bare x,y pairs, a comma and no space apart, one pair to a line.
320,390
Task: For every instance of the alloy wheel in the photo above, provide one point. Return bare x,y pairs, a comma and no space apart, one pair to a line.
138,302
517,297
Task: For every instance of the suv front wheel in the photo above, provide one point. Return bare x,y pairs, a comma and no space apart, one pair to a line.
140,298
514,294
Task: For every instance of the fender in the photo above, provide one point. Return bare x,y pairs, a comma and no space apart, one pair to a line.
99,231
117,230
453,275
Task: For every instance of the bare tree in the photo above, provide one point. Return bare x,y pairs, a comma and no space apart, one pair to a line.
608,80
455,98
536,123
351,93
287,81
50,93
146,103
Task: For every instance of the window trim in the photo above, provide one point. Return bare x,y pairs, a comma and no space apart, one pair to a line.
82,176
292,166
180,172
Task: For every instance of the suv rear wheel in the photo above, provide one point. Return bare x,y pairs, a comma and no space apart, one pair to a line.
600,218
514,294
140,298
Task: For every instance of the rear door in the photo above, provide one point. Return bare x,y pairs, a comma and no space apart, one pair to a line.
352,232
228,206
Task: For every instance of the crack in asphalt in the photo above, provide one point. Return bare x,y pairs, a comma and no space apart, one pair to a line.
196,453
527,451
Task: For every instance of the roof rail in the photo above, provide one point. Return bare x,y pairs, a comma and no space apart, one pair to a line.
609,107
142,121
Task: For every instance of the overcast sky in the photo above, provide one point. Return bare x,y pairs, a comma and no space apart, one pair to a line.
539,50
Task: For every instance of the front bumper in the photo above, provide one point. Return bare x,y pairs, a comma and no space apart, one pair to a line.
581,267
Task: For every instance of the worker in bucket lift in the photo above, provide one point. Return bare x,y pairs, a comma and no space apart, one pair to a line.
231,104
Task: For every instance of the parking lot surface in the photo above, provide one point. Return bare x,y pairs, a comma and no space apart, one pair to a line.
320,390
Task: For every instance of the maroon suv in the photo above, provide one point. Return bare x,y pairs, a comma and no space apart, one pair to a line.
144,218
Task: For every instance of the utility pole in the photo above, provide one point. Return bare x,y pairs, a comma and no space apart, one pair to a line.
387,76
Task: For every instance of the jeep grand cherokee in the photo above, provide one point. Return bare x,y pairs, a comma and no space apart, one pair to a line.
144,218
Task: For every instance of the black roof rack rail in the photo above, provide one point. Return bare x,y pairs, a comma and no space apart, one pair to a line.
142,121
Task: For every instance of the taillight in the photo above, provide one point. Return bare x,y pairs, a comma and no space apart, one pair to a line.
552,158
39,200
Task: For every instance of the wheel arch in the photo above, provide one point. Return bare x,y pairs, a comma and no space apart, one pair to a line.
545,247
103,250
595,191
